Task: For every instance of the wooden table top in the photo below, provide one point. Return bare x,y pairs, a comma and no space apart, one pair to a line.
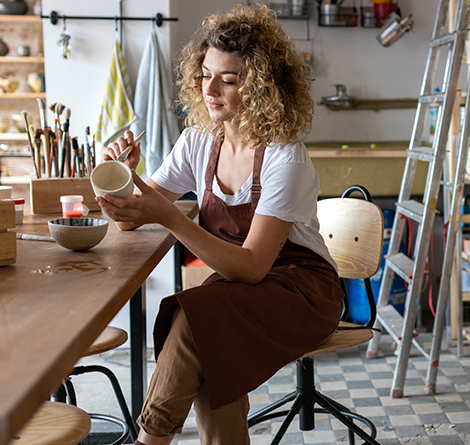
54,303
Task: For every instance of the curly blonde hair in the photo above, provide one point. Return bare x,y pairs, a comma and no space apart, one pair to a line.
276,105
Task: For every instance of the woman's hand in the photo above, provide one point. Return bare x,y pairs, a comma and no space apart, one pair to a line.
150,206
113,150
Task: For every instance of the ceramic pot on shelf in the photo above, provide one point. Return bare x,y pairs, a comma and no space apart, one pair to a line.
3,48
13,7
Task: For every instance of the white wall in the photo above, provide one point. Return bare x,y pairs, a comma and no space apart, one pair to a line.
351,56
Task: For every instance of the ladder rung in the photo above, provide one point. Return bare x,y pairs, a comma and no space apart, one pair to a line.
447,184
412,209
422,153
393,323
401,265
443,40
428,98
465,218
391,320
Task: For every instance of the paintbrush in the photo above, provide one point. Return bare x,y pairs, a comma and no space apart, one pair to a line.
63,151
37,150
31,146
123,156
68,155
75,164
89,156
45,137
25,236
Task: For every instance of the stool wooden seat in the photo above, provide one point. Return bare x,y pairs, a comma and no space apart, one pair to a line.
110,338
345,336
55,423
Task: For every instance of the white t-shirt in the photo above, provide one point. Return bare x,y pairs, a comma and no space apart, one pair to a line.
289,184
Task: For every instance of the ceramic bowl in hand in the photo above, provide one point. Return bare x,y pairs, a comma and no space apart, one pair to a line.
78,233
112,178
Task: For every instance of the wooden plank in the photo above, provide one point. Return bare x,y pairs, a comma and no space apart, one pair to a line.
20,18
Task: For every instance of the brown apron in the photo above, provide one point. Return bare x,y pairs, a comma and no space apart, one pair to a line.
245,333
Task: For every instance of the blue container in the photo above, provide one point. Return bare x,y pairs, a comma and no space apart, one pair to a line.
359,309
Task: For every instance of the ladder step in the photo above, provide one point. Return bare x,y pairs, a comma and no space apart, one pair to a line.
412,209
422,154
401,265
443,40
428,98
391,320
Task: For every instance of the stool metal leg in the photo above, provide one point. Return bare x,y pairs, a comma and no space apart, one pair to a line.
117,390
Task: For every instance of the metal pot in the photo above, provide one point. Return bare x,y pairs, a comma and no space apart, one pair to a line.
394,28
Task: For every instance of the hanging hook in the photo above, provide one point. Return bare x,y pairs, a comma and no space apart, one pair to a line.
64,29
116,26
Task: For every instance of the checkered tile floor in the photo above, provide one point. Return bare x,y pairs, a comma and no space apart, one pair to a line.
364,386
361,385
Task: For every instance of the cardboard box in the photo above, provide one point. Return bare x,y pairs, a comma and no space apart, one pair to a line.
194,276
7,239
46,193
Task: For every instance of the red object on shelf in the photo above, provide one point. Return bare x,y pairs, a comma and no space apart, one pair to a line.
382,11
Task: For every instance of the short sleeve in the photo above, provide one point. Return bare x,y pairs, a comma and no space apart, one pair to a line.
176,173
289,192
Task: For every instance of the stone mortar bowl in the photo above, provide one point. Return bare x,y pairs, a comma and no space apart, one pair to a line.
78,233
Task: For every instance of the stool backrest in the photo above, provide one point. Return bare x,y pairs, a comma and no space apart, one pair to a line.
353,230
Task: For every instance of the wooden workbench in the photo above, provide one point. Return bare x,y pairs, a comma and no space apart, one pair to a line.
55,302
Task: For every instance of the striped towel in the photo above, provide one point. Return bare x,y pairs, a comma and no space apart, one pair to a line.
116,112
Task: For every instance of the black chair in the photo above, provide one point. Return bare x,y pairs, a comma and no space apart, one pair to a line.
353,231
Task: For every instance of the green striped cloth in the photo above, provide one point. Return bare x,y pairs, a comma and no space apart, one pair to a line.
116,113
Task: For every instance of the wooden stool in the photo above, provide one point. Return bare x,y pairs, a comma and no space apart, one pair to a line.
110,338
55,424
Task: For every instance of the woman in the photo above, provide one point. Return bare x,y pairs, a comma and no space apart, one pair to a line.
275,294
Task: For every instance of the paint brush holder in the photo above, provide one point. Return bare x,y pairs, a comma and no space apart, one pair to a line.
7,238
46,193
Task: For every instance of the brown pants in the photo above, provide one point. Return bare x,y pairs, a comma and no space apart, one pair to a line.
176,383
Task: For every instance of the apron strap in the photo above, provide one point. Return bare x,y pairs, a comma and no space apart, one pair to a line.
257,164
256,184
212,164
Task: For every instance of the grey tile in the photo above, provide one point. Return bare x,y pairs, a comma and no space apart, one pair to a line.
380,421
293,438
322,424
380,375
422,398
428,419
389,442
455,407
409,431
446,440
359,384
353,368
367,401
330,378
462,428
280,380
398,410
341,394
382,392
414,382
